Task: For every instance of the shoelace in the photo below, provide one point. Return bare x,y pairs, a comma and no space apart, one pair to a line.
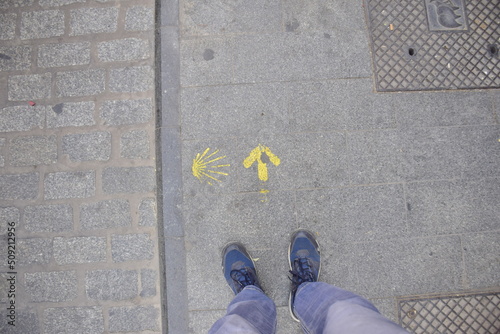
301,272
243,277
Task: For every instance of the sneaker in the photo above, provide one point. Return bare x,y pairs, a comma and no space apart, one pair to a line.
238,267
304,260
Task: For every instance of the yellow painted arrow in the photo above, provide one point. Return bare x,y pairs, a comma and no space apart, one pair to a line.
256,155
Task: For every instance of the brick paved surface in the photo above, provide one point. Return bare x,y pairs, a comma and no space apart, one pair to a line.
77,169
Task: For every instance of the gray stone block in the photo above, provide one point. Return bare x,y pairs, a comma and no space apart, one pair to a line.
26,322
375,156
16,3
22,118
55,3
19,186
29,87
42,24
131,79
80,83
453,207
128,179
149,277
354,214
233,111
69,185
406,266
87,146
8,27
147,212
139,18
314,107
8,214
303,56
206,61
218,17
15,58
443,108
135,318
105,214
135,145
33,251
71,114
77,320
64,54
115,284
79,250
55,286
48,218
103,20
2,143
131,247
481,259
122,112
33,150
123,49
450,152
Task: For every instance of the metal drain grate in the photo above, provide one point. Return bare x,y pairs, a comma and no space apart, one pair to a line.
467,314
435,44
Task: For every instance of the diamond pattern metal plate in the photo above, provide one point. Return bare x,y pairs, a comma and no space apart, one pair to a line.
457,314
435,44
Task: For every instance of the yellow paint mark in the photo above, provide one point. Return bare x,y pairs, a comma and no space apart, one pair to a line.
391,26
264,191
256,155
203,166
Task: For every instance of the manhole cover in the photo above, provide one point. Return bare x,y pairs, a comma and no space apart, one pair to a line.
435,44
478,314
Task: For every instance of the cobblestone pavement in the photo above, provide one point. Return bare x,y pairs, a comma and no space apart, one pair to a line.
77,167
402,189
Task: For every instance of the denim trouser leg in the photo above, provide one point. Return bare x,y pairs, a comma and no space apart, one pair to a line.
323,308
251,311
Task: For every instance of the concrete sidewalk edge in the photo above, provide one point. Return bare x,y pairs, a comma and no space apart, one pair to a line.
171,232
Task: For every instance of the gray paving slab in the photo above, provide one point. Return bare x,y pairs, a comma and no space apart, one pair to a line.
354,214
339,105
206,61
218,17
428,109
452,207
232,111
451,152
407,266
307,56
481,259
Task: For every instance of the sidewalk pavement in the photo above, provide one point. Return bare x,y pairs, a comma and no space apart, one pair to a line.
77,167
402,189
269,122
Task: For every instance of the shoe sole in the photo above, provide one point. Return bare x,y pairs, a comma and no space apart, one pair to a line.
294,234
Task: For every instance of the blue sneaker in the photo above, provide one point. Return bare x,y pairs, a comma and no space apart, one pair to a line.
304,259
238,268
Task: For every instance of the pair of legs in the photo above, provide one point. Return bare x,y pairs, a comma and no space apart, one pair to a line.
320,307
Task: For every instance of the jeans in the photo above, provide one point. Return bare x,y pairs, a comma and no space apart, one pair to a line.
321,308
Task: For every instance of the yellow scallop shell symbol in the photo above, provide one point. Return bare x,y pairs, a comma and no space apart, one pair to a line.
204,166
